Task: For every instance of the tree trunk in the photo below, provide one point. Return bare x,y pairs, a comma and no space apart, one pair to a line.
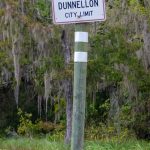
68,88
68,93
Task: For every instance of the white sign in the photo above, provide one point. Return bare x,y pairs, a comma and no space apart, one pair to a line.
77,11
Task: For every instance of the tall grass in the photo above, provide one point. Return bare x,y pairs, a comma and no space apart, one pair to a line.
126,145
45,144
30,144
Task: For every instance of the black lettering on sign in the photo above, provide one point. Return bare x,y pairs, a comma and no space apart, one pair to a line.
65,6
95,3
71,14
59,5
74,4
69,5
66,15
85,13
78,4
91,3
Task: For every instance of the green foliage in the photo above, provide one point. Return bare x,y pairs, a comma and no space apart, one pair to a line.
107,132
2,12
25,126
57,136
112,48
46,144
34,144
107,53
126,119
98,112
43,10
92,111
58,106
105,107
49,128
114,45
45,127
138,7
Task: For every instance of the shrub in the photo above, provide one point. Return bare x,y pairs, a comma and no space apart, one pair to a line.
104,132
45,127
25,127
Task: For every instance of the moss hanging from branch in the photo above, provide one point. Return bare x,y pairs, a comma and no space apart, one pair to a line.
15,52
47,89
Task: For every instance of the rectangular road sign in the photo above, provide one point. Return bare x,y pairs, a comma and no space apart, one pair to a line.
78,11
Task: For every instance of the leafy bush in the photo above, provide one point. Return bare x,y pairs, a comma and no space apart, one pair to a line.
104,132
25,126
45,127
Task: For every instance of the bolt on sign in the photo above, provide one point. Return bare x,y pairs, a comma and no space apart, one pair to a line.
78,11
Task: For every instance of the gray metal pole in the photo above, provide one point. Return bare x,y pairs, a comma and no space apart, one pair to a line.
79,92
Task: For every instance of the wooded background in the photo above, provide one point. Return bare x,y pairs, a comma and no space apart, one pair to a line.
36,65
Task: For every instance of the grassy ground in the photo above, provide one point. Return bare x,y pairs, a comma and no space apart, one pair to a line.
45,144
